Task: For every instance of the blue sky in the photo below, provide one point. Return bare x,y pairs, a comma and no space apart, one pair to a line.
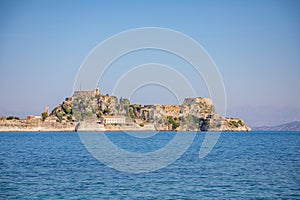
255,44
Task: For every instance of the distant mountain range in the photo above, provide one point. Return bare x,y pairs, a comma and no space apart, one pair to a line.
291,126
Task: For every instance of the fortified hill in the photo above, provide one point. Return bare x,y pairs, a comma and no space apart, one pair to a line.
93,111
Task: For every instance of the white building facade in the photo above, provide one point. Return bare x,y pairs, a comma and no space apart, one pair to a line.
113,120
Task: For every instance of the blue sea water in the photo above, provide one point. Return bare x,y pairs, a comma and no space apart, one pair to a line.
241,166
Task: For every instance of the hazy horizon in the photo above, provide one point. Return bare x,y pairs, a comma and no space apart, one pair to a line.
255,45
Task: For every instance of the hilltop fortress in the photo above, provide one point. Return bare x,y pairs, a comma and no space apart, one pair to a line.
93,111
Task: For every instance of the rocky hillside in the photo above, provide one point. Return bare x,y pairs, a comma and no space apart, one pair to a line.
195,114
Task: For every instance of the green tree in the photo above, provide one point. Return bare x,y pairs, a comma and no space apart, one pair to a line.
106,111
99,114
235,124
69,117
10,118
60,117
68,110
44,115
173,122
131,113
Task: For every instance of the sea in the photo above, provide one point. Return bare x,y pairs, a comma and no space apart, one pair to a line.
242,165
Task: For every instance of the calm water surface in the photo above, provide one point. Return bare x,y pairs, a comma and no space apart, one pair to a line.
241,166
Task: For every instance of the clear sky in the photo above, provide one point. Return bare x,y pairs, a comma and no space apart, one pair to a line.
255,44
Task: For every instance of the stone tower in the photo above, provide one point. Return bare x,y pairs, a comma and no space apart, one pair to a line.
47,109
